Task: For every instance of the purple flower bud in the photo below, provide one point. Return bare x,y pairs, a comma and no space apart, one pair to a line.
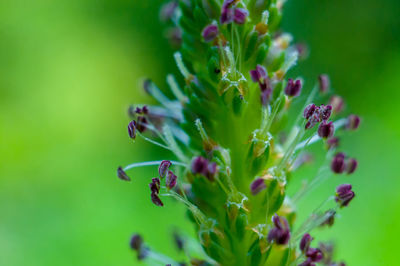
155,185
324,83
257,186
168,10
314,254
240,15
122,175
330,218
156,200
141,124
132,129
258,74
200,165
337,103
344,195
293,88
210,32
338,164
353,122
280,234
313,120
136,242
332,143
309,110
351,165
305,242
170,181
326,111
227,15
163,168
326,130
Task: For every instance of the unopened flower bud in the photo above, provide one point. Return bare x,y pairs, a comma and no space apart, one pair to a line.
132,129
258,74
330,218
156,200
163,168
305,242
200,165
314,254
240,15
141,124
351,165
313,120
210,32
155,185
353,122
257,186
338,164
293,88
136,242
337,103
326,130
344,195
122,175
326,111
227,13
280,234
324,83
170,180
309,110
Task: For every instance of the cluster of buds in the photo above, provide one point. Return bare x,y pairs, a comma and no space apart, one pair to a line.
226,124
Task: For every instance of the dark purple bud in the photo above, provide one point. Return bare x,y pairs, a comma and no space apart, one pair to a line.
324,83
309,110
240,15
293,88
163,168
210,32
168,10
330,219
265,96
351,165
326,130
156,200
314,254
141,123
136,242
344,195
258,74
332,143
280,234
257,186
353,122
170,180
145,109
122,175
337,103
138,110
227,15
305,242
313,120
200,165
326,111
155,185
338,164
132,129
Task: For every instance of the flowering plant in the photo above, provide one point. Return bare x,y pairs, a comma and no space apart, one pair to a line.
235,140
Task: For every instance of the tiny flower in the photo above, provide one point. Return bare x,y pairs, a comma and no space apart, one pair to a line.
305,242
136,242
163,168
141,123
324,83
122,175
280,234
156,200
353,122
210,32
257,186
240,15
155,185
258,74
332,143
200,165
344,195
326,130
170,180
132,129
293,88
337,103
338,164
351,165
326,111
309,110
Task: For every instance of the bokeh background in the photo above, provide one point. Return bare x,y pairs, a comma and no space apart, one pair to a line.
68,71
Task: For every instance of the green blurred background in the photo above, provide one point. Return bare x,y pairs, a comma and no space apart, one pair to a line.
69,69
